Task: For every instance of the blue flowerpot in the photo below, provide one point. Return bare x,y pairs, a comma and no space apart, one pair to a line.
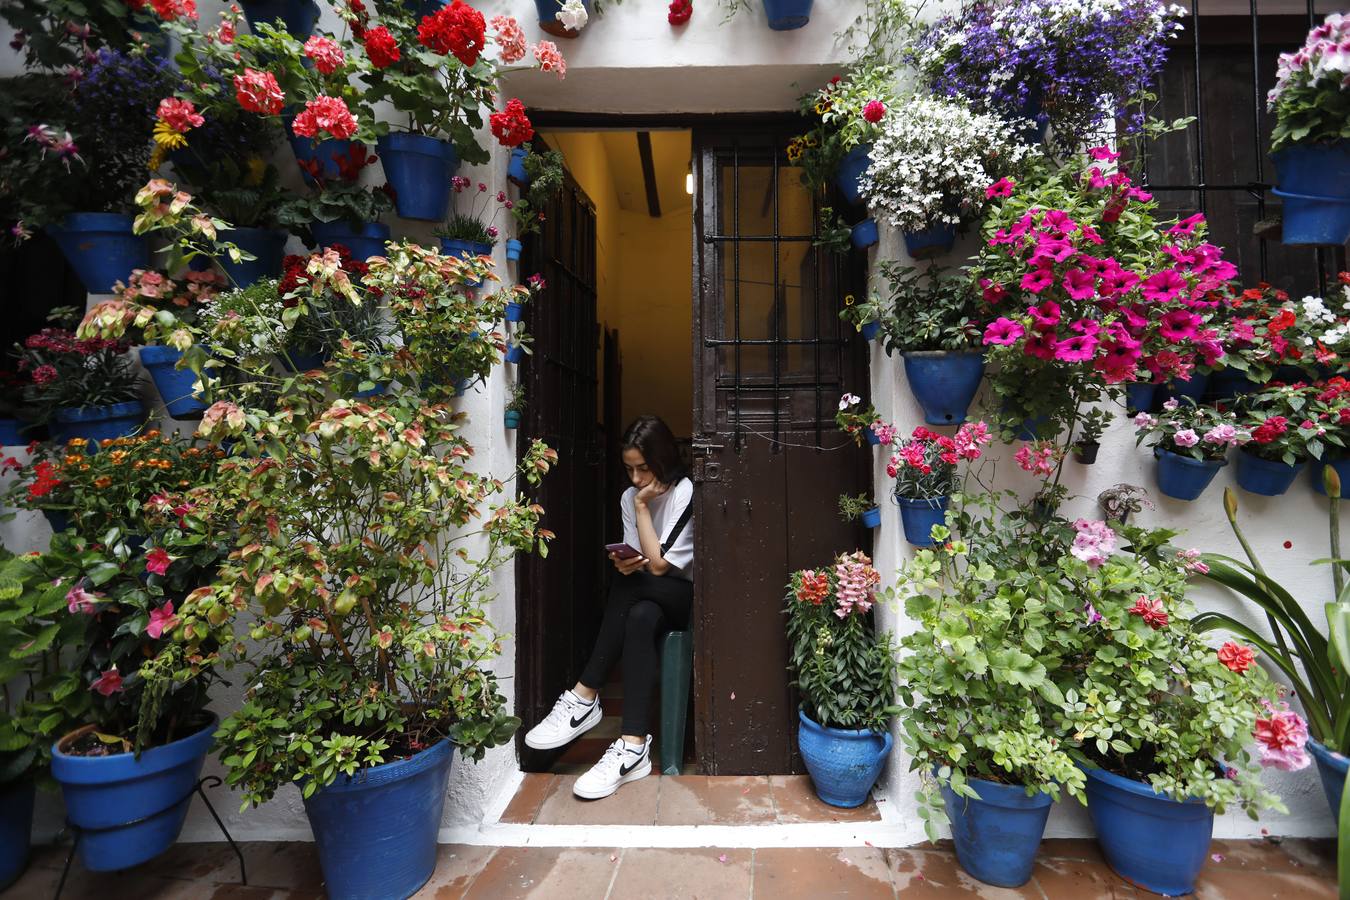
848,176
11,434
1151,840
870,330
268,246
1184,478
1331,768
513,249
364,241
515,169
548,16
101,248
919,516
376,831
1342,467
466,250
130,810
174,384
944,383
1317,170
420,169
873,439
298,16
515,354
1192,388
293,361
932,241
1262,476
512,418
1310,219
1140,396
1033,429
1227,384
97,423
843,763
871,518
786,15
864,234
515,312
326,153
58,519
16,829
997,835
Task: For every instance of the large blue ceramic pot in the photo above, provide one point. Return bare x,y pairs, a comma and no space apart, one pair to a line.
174,384
1192,388
376,830
1317,170
1320,221
871,518
419,168
16,829
515,168
1226,384
844,763
325,152
268,247
1263,476
129,810
848,176
1151,840
1183,478
918,516
97,423
786,15
1331,768
298,16
998,833
1140,396
101,248
934,240
944,383
364,241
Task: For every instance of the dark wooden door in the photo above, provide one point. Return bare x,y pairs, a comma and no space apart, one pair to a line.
558,598
771,360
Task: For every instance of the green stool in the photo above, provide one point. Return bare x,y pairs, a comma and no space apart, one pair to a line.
677,669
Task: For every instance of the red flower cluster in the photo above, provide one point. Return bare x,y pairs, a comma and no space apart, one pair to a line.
169,10
1270,429
814,588
1151,611
1236,657
325,113
510,126
258,92
326,53
381,47
59,340
180,115
458,29
45,481
358,17
680,11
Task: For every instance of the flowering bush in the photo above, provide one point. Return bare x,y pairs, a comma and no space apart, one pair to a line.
932,165
1264,330
70,372
844,670
1311,96
1076,65
1284,424
924,464
186,297
1183,428
844,114
854,418
478,211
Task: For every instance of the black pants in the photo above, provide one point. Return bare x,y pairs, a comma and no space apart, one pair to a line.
641,609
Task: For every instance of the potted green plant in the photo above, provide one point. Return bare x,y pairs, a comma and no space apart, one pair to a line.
472,231
543,179
341,210
515,407
845,674
1284,436
924,467
865,317
859,507
861,421
1191,444
517,347
933,320
844,114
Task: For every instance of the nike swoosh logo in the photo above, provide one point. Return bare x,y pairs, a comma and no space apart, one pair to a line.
624,770
576,723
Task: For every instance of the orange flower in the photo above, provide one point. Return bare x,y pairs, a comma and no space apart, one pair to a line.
102,481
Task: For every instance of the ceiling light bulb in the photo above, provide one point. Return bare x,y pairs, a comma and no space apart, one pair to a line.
689,183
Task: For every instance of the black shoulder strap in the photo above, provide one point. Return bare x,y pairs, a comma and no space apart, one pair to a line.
682,521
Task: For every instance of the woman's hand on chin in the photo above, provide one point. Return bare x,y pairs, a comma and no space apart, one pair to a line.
650,491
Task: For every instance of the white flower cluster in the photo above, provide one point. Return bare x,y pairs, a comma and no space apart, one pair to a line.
933,160
1315,311
1324,55
260,311
572,15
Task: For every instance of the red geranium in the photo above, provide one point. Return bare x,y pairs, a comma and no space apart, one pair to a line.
381,47
171,9
326,53
325,113
259,92
510,126
680,11
458,29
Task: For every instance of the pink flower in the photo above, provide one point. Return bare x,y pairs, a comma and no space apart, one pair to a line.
1093,617
1038,280
180,115
1221,434
549,59
1187,225
1282,736
1178,325
1144,420
873,110
1163,286
1093,543
855,581
157,561
161,620
1001,188
78,600
326,53
259,92
325,113
884,432
1186,437
1003,331
1236,657
969,438
107,684
1076,349
1151,611
1046,316
1080,285
1103,153
992,292
1038,458
510,38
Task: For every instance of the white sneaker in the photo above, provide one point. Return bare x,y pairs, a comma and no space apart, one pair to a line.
570,718
620,765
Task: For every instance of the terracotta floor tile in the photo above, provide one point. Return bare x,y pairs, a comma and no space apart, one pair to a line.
545,873
795,800
807,873
457,865
291,865
1295,857
1312,856
1080,880
632,804
701,873
1219,883
922,873
715,800
587,751
1085,849
529,797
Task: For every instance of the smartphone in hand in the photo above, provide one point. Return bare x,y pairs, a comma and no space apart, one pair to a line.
622,551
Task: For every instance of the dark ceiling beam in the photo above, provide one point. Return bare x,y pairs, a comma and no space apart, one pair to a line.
644,142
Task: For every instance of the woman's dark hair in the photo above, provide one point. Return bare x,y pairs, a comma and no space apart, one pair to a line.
652,437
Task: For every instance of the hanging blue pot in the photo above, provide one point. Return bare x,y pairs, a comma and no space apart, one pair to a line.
1192,388
466,250
326,153
515,354
294,361
918,516
299,16
870,330
848,177
998,834
1183,478
97,423
101,248
1317,170
871,518
57,519
129,810
944,383
843,763
1308,219
1342,466
512,418
873,439
1331,768
376,830
1263,476
1140,396
419,168
268,247
16,829
513,249
786,15
364,241
174,384
864,234
1227,384
1151,840
932,241
515,312
462,386
515,168
11,434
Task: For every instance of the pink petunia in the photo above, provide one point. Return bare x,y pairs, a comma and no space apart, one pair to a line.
1103,153
1178,325
1076,349
1038,280
1003,331
1161,287
1001,188
1045,315
1187,225
1080,285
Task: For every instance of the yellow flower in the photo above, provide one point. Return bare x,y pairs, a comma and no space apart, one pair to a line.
822,107
794,151
167,138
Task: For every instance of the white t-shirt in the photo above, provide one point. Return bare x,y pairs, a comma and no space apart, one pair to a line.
665,511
